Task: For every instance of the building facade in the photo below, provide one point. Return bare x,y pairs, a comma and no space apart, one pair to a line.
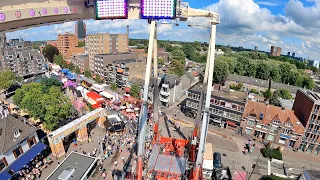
105,44
23,63
272,123
3,41
74,50
306,107
19,142
226,107
80,29
65,42
258,84
170,90
81,61
275,51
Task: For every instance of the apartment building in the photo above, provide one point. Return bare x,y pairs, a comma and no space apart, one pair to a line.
65,42
3,41
226,107
105,44
81,61
272,123
275,51
170,90
121,66
19,144
24,62
306,107
80,30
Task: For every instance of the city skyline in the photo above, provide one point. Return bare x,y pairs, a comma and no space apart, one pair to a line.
289,24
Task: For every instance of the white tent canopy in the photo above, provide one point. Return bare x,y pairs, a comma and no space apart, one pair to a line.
106,94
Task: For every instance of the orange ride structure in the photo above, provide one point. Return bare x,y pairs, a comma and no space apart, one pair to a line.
169,158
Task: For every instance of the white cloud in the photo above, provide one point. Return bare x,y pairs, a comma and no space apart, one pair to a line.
243,23
268,3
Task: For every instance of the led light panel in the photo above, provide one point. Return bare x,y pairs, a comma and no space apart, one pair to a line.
158,9
111,9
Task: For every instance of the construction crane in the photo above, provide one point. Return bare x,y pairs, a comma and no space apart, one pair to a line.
183,13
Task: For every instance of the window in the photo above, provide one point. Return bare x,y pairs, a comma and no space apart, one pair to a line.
286,131
3,163
273,128
17,152
16,133
251,123
276,121
288,124
32,141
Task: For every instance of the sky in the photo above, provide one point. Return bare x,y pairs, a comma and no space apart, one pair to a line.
290,24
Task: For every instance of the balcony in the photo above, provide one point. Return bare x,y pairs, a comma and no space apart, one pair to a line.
164,93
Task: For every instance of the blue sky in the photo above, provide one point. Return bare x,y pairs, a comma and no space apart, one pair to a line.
291,24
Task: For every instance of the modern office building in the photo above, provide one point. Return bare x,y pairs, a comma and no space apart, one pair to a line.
81,61
288,54
80,30
256,48
306,107
105,44
293,55
272,123
119,68
23,62
275,51
226,107
65,42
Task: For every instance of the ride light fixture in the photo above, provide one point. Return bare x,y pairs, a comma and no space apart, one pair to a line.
158,9
111,9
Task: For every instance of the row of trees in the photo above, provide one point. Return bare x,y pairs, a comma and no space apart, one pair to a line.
45,102
263,68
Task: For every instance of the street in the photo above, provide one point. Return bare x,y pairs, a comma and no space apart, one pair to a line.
231,144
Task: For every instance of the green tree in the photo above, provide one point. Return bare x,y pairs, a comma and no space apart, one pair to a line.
161,61
177,68
81,43
87,73
252,69
178,55
49,51
221,71
135,91
274,73
267,94
189,51
263,71
285,74
77,70
59,60
274,100
113,87
47,83
98,79
49,106
7,79
284,93
308,82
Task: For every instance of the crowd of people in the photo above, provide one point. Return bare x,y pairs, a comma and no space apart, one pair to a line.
33,170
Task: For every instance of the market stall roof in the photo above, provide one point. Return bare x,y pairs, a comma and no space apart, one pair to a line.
88,80
95,96
91,101
83,91
106,94
97,87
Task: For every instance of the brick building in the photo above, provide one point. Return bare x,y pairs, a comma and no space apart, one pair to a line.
272,123
65,42
226,107
306,107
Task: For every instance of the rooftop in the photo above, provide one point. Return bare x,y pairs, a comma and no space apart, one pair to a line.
225,93
8,127
125,61
81,164
315,97
261,82
268,113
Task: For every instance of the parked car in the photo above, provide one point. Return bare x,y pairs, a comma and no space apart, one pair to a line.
217,160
